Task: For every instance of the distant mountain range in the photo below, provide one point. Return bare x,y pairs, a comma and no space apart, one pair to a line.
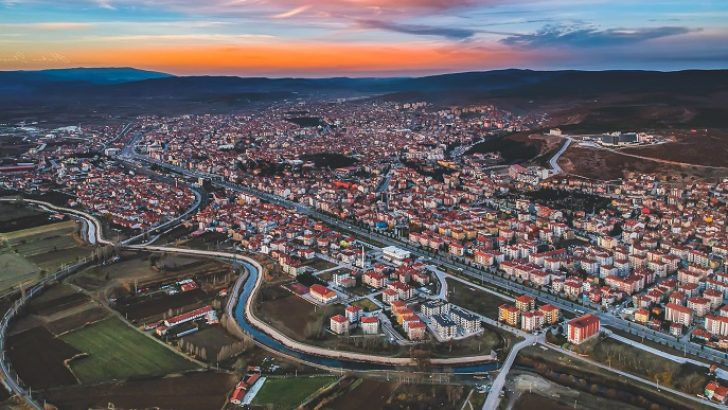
128,91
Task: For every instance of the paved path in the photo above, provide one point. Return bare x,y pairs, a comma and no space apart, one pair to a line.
491,402
441,278
554,161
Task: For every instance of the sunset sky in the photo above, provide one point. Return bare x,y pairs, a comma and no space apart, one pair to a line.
362,37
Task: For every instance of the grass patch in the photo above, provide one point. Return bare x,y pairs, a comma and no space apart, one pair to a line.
366,305
289,393
14,270
115,351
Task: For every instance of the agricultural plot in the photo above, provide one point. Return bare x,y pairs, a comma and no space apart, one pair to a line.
15,270
116,351
39,358
195,391
289,393
48,246
14,217
27,253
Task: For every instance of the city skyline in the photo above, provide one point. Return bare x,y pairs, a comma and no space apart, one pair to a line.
363,37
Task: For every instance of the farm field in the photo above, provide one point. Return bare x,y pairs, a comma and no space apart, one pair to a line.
366,394
26,254
115,351
289,393
60,309
118,281
48,246
195,391
16,270
39,358
14,217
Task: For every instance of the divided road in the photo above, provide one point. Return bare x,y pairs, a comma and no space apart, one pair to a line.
457,265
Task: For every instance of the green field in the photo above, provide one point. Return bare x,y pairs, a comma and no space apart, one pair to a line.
116,351
14,270
289,393
47,246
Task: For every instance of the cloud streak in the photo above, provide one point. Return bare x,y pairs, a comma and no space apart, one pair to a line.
291,13
418,29
578,36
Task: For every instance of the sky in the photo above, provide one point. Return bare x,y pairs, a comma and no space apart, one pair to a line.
362,38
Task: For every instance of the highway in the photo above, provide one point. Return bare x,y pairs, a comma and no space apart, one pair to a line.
477,274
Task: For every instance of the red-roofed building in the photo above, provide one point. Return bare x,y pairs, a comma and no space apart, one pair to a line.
525,303
322,294
678,314
339,324
583,328
550,314
369,325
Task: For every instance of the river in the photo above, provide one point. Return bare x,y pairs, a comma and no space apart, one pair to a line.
274,344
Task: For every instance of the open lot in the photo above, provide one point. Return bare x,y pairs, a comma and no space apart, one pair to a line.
598,163
288,393
492,339
116,351
474,299
366,305
291,314
195,391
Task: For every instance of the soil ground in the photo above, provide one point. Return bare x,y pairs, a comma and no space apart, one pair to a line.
195,391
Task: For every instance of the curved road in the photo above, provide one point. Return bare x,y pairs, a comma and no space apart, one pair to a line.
93,235
299,346
554,161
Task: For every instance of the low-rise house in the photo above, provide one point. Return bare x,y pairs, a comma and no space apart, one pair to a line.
322,294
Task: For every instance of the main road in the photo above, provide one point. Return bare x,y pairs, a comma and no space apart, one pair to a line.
458,265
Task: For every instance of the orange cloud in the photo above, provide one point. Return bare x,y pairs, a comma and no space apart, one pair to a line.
301,59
